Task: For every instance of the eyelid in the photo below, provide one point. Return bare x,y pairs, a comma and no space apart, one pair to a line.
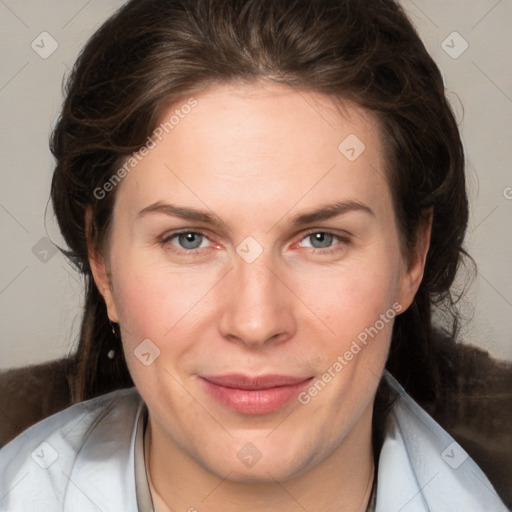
338,233
171,234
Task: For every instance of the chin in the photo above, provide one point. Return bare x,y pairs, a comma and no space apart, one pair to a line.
260,462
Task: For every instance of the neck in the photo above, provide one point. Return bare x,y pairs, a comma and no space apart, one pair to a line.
342,482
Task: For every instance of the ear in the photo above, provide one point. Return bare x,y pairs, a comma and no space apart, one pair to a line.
100,270
412,271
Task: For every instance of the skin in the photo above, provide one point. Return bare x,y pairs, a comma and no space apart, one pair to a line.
256,155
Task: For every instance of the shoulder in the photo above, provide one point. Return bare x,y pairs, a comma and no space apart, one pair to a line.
425,467
48,462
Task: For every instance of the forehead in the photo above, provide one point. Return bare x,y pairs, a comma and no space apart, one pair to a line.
258,145
268,117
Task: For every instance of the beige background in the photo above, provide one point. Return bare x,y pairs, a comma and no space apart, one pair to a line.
40,295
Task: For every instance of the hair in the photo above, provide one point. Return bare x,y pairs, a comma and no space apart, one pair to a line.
152,53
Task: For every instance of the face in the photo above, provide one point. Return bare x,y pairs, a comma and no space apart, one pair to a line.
255,271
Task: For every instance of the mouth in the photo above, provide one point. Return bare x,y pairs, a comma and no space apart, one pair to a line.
254,395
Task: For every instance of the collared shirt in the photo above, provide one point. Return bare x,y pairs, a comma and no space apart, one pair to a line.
91,457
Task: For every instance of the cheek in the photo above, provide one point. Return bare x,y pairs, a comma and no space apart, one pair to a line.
352,297
359,307
155,305
157,301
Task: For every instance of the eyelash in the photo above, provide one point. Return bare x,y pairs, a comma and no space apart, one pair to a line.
343,240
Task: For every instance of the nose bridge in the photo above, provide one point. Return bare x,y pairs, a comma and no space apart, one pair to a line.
256,279
257,307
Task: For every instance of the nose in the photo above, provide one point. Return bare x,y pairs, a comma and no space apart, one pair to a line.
257,307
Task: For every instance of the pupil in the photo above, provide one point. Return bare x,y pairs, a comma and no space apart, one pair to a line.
190,240
323,238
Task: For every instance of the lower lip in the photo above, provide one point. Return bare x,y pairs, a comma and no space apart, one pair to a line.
260,401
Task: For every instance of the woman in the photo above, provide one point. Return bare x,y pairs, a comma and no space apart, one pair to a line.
266,201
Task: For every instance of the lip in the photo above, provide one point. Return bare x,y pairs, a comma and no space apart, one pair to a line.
254,395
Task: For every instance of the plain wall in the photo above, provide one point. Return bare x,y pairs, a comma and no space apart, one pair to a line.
41,296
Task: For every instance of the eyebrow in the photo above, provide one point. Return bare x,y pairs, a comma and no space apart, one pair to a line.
328,211
181,212
324,212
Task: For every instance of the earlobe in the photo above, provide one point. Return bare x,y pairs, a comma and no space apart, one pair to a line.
103,282
100,273
413,271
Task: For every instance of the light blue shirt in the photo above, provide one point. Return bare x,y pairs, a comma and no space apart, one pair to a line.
83,459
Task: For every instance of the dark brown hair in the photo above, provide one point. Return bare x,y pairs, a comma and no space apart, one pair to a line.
153,52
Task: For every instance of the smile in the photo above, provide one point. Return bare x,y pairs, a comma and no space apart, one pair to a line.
254,395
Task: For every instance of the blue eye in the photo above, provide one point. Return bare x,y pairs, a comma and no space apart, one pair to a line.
322,241
190,240
187,240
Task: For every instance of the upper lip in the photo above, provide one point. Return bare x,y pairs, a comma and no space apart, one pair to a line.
239,381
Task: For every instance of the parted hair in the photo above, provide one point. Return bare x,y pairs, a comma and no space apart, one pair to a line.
152,53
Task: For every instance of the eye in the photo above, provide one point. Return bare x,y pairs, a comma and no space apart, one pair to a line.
186,241
324,241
